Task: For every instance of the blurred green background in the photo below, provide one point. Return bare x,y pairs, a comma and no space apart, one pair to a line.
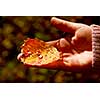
14,29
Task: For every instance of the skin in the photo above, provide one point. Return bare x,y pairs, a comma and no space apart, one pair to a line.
76,54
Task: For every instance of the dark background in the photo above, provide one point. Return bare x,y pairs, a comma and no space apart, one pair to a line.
14,29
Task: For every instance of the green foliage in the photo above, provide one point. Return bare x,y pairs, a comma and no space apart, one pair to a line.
42,36
13,31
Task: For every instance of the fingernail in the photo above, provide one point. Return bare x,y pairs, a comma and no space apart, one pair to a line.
66,54
64,43
53,19
73,40
65,59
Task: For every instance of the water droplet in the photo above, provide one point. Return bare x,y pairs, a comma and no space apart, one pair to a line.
29,52
40,56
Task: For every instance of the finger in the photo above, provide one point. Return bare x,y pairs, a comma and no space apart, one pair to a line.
83,37
54,65
53,43
19,56
64,45
65,26
84,32
79,61
61,43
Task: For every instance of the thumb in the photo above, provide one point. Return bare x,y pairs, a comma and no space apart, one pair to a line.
65,26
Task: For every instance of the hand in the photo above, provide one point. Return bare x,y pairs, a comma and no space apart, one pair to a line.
71,59
77,55
82,34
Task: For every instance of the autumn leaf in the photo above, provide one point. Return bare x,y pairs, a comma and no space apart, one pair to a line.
35,52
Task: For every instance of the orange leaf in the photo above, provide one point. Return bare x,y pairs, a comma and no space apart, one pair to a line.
35,52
